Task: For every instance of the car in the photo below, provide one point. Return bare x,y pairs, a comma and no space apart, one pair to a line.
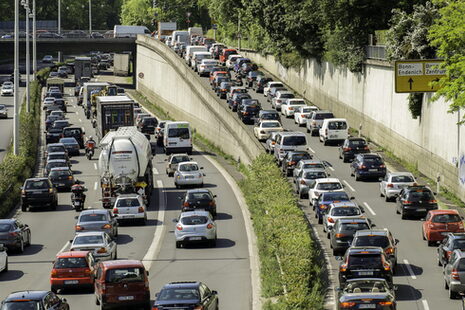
14,235
271,142
291,159
72,270
334,130
122,284
323,201
50,120
60,123
391,185
324,185
8,83
188,174
301,114
289,106
54,74
368,165
141,116
382,238
231,60
315,120
48,101
38,192
269,85
130,207
76,133
100,220
247,113
205,65
343,231
367,293
47,59
56,163
60,115
438,223
7,90
233,90
186,295
55,148
454,274
216,72
43,300
236,100
248,102
306,178
415,201
363,262
61,178
252,77
337,210
267,115
173,161
53,135
195,227
280,97
260,83
99,243
147,125
3,259
96,35
159,132
71,145
451,242
263,129
287,141
308,164
224,88
62,74
216,84
351,147
199,199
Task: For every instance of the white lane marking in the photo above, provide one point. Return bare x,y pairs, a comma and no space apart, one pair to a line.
425,304
331,168
64,247
95,166
154,248
369,208
95,185
349,186
409,269
80,120
311,150
155,171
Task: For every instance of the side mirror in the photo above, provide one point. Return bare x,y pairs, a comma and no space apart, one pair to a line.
166,159
76,217
175,220
352,198
70,241
422,219
338,257
396,241
381,179
180,198
373,225
156,294
214,196
204,174
201,168
214,292
64,300
147,272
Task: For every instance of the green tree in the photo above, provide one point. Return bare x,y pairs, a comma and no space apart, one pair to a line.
137,12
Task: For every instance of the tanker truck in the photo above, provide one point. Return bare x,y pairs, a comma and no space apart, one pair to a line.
125,165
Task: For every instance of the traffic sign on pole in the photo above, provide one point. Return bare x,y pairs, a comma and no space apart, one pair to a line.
416,76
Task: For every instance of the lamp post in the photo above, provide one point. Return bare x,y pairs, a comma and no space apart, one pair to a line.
59,26
25,4
90,18
16,83
34,43
188,14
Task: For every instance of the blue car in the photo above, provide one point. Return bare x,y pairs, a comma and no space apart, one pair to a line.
368,165
325,199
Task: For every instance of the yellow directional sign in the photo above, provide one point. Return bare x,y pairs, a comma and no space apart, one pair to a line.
415,76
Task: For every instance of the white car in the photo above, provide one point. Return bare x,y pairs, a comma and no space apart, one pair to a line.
99,243
307,164
232,60
322,186
195,227
305,179
271,142
394,182
337,210
205,66
48,101
3,111
130,207
7,90
301,114
263,129
3,259
58,114
269,85
280,98
289,106
188,173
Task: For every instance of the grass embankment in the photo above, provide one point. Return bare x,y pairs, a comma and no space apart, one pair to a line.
16,168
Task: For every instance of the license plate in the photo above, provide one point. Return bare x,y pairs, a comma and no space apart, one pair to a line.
444,233
421,210
189,176
195,238
128,215
367,306
332,136
71,282
172,143
365,273
372,169
61,184
125,297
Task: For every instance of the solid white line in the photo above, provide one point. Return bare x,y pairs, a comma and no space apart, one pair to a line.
95,166
410,270
425,304
349,186
369,208
95,185
155,171
311,150
154,248
80,120
64,247
331,168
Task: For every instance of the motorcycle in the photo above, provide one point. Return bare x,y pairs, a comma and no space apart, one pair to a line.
89,153
78,204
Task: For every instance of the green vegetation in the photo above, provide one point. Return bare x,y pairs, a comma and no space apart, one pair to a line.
16,168
290,272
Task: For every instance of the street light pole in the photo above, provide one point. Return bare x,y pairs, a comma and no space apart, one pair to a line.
16,83
90,17
34,43
59,25
28,65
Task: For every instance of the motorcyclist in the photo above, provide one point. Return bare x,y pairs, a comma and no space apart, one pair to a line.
77,192
90,144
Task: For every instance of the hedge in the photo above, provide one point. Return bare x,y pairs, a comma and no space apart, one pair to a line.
14,169
290,270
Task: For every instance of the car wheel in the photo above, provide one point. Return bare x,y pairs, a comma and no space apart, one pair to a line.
328,236
403,216
28,243
171,174
178,244
397,211
335,252
439,262
21,247
325,142
320,220
177,186
201,185
446,286
357,177
6,266
452,294
431,243
54,289
308,130
423,234
213,243
54,206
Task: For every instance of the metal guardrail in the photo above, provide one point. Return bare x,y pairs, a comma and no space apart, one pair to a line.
376,52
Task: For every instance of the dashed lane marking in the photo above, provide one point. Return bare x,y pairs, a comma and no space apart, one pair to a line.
410,271
369,208
349,186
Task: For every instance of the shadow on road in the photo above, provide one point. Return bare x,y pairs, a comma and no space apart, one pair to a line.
124,239
406,292
220,216
11,275
403,271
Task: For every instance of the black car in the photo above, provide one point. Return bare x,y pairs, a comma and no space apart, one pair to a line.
268,115
38,192
61,124
351,147
53,135
252,76
76,133
199,199
260,83
44,300
245,102
147,125
364,262
367,165
415,201
186,295
248,113
236,99
366,293
14,234
343,232
62,178
453,241
380,238
55,163
291,159
217,82
224,89
325,199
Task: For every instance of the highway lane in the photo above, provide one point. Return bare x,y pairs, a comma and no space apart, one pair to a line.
419,279
224,268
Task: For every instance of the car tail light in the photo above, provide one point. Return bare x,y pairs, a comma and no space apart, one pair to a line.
343,268
346,149
291,163
245,113
273,142
199,308
102,250
54,273
186,204
326,131
50,190
77,227
386,266
262,132
385,303
390,250
455,274
323,207
23,192
407,202
382,166
155,308
87,271
390,185
432,201
340,235
209,226
448,253
330,219
302,182
70,177
211,203
362,166
140,210
179,227
365,148
13,234
347,304
115,211
313,123
106,226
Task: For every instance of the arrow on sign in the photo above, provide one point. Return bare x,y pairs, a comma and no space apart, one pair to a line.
435,80
410,81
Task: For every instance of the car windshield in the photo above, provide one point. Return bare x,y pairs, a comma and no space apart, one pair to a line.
68,141
330,186
70,262
60,173
296,102
446,218
323,115
357,142
458,244
372,160
286,96
149,121
345,211
88,239
366,286
307,110
127,202
182,133
271,116
353,226
5,227
131,274
294,140
300,156
22,305
194,220
200,196
179,159
189,167
178,294
271,125
337,125
315,175
338,196
52,149
365,260
71,132
94,217
42,184
252,108
372,240
402,179
56,164
420,195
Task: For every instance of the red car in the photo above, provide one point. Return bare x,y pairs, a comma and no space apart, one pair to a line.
439,223
225,54
72,270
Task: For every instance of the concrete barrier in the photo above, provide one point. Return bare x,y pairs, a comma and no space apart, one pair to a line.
164,78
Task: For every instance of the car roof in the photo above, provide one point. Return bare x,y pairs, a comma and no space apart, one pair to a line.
368,232
443,211
351,220
33,295
291,133
369,249
356,139
122,263
56,153
369,155
72,254
328,180
122,196
7,221
68,139
198,190
187,162
89,233
400,173
60,169
55,144
193,213
56,161
94,211
36,179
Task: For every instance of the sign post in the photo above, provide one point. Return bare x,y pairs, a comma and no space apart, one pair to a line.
416,76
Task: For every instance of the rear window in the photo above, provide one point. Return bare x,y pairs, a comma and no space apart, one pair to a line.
346,211
124,275
88,239
354,226
60,173
372,160
420,195
295,102
194,220
189,167
252,108
70,262
402,179
315,175
271,116
323,115
71,132
42,184
178,294
458,244
341,196
337,125
271,125
22,305
202,196
179,159
298,157
313,166
379,241
127,202
329,186
149,121
357,142
294,140
286,96
446,218
182,133
5,227
92,218
365,260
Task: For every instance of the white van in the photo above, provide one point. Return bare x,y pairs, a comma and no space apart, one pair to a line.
334,130
126,31
190,51
289,141
177,138
179,36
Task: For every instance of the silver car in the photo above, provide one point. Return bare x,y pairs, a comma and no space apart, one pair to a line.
391,185
315,121
3,111
305,180
195,226
173,161
7,90
307,164
99,243
454,274
270,142
97,220
130,207
337,210
188,173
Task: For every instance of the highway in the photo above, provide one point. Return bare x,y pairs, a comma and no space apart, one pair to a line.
225,268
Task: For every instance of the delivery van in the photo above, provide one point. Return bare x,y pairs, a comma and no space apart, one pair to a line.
177,138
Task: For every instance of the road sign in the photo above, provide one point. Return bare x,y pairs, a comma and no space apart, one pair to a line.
415,76
214,26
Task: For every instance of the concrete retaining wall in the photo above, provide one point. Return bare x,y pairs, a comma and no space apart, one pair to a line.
432,142
168,81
